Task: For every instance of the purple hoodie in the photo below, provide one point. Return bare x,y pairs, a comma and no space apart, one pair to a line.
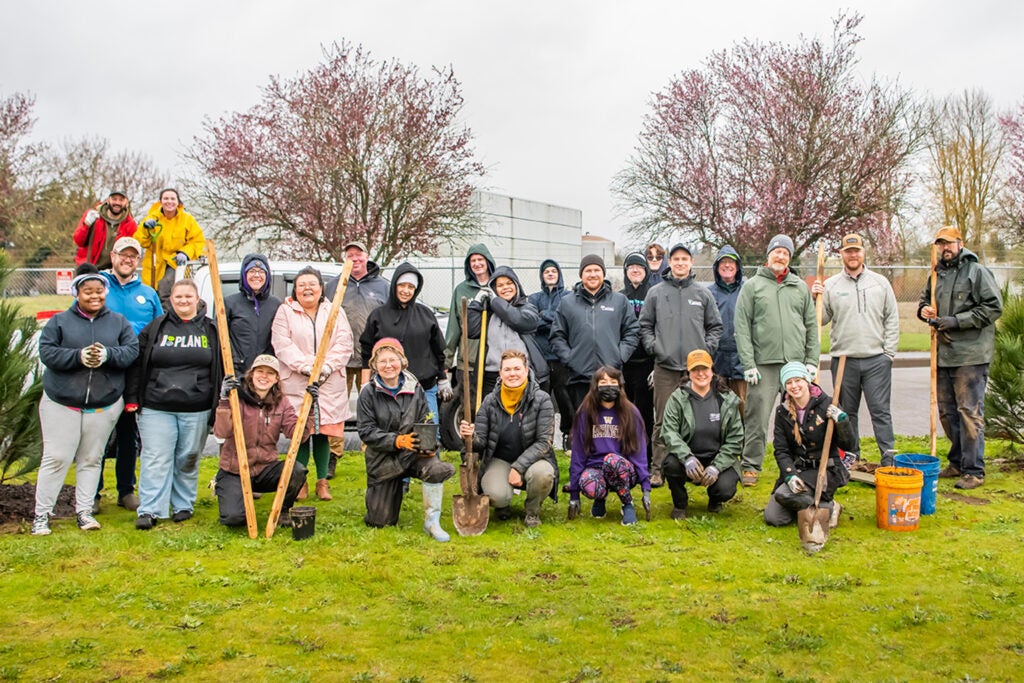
605,443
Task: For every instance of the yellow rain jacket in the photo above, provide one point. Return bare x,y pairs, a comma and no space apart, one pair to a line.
171,235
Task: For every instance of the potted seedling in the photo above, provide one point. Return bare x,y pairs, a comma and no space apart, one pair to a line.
427,432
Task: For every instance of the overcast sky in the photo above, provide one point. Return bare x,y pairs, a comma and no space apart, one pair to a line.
554,91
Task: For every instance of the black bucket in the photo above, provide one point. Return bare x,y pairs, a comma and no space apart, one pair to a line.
303,522
427,431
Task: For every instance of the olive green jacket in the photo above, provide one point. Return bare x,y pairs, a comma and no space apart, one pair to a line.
775,322
677,429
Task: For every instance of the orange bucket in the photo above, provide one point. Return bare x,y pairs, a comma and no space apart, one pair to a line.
898,498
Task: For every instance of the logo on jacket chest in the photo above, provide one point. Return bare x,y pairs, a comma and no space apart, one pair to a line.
185,341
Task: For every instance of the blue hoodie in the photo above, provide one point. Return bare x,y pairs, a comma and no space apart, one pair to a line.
546,302
137,302
727,358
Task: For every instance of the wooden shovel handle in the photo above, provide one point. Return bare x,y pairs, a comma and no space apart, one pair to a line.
933,360
819,485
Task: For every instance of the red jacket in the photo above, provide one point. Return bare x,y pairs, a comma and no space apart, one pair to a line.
98,232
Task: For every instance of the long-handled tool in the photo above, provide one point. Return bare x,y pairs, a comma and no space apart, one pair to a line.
819,301
933,362
480,360
470,511
812,522
229,369
307,400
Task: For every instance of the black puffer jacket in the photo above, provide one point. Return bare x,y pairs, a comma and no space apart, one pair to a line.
802,459
536,419
250,316
380,418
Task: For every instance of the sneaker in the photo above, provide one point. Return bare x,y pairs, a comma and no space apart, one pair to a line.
86,522
597,510
129,502
285,519
503,514
657,481
969,481
628,515
145,522
678,514
749,478
96,506
532,519
181,516
949,472
41,525
833,519
714,508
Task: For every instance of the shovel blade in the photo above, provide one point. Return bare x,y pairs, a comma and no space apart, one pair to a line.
470,514
812,523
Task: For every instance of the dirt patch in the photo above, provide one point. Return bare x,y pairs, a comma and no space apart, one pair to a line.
18,503
961,498
864,466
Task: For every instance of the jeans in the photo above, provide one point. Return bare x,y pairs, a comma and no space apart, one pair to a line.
169,469
873,377
961,399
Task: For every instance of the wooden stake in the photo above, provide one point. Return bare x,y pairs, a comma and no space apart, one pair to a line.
229,369
934,356
819,301
307,400
481,357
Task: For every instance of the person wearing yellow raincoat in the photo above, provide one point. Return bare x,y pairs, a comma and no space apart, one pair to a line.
171,237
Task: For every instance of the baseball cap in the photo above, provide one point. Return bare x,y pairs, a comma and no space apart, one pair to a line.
948,234
265,360
123,243
851,241
355,243
698,358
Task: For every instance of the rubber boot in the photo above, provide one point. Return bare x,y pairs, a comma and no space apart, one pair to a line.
433,494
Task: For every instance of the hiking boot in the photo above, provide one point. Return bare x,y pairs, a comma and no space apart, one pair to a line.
833,519
678,514
949,472
323,491
145,522
749,478
285,519
715,507
41,525
303,492
86,522
532,520
628,515
597,510
332,465
503,514
181,516
969,481
96,506
657,481
129,502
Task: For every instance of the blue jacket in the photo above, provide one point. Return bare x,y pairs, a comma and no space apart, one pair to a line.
546,302
135,300
726,357
591,330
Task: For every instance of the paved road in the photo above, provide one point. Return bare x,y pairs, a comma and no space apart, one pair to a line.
910,402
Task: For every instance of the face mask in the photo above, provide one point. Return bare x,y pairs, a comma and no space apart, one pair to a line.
608,393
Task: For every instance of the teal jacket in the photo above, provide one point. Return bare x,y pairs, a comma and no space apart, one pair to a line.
775,322
677,429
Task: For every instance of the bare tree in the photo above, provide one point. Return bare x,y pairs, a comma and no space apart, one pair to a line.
17,158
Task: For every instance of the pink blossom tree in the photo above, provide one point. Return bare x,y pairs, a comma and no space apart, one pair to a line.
770,138
353,149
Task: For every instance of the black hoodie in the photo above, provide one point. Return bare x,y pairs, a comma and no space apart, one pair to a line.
250,316
414,324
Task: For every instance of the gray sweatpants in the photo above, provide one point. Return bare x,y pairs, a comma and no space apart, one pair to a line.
538,480
72,436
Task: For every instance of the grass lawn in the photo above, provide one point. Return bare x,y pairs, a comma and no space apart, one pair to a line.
30,305
712,598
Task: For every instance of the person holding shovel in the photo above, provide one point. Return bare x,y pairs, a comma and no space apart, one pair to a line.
513,432
172,237
265,416
800,425
609,449
390,403
703,434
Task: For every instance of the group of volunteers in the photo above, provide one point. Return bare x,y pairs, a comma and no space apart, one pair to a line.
667,382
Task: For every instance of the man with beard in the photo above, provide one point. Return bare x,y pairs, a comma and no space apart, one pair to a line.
100,227
775,324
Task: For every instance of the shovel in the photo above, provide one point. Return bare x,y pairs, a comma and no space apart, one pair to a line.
470,511
812,522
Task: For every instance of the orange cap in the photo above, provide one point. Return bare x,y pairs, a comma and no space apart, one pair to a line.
698,358
948,234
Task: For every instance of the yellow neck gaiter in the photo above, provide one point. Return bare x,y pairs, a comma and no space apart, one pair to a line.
510,398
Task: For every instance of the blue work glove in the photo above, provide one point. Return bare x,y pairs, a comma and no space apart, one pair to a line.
694,470
150,224
751,376
710,476
181,258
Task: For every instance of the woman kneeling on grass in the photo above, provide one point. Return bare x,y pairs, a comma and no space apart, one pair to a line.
703,434
514,429
389,405
265,416
85,351
609,448
173,385
800,423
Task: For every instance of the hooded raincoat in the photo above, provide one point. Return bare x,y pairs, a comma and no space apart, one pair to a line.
171,235
467,288
250,316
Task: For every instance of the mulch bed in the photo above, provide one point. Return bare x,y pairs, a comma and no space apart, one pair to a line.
18,503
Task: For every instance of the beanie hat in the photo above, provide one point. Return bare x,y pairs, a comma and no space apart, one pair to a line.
780,241
390,344
86,272
408,279
793,369
635,259
591,260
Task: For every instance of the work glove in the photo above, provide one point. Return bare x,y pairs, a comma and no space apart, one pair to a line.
646,501
796,484
325,372
694,470
407,442
812,370
150,224
574,509
181,258
227,384
945,323
91,217
835,413
444,390
306,370
751,376
313,390
710,476
650,380
100,353
88,357
484,295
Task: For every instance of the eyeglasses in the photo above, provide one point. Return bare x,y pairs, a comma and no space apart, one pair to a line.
653,259
127,257
256,272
